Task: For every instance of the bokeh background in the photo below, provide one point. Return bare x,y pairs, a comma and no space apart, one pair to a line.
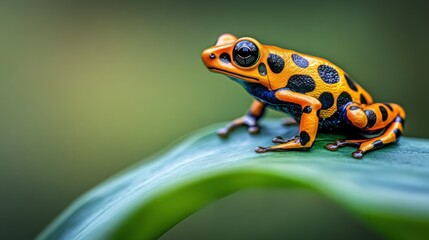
87,89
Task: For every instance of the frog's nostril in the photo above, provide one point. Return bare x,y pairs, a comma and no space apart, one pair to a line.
212,56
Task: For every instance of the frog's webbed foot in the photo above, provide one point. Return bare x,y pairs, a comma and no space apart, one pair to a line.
260,149
289,121
246,120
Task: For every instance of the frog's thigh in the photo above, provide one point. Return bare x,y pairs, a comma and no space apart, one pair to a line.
372,117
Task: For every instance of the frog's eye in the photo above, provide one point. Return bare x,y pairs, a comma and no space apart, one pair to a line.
245,53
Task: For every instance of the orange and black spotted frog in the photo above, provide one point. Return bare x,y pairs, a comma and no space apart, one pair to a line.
317,93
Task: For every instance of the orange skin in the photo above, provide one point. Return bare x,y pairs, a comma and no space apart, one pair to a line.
316,92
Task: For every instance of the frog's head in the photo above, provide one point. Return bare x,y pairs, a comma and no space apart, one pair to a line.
241,58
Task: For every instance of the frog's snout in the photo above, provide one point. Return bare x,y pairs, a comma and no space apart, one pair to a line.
219,51
211,58
208,56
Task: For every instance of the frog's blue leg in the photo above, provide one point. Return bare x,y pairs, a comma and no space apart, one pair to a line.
250,119
370,118
309,122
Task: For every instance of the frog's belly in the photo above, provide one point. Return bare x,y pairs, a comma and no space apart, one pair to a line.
292,109
268,97
295,110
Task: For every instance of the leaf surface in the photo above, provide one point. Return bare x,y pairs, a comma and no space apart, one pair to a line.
388,188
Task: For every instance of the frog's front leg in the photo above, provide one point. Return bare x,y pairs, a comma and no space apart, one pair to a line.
250,119
308,124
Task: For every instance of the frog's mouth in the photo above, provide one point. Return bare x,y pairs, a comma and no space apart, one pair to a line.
233,74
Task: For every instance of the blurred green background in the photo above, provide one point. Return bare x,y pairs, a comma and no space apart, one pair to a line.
87,89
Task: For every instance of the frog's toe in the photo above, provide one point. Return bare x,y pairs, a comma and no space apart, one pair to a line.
358,154
337,144
222,132
280,139
260,149
254,129
332,146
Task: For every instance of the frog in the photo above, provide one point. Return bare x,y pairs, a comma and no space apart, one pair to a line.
315,92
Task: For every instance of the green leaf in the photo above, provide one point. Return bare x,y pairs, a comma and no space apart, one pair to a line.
388,188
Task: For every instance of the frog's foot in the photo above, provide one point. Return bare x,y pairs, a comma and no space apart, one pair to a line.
295,143
288,121
342,143
249,121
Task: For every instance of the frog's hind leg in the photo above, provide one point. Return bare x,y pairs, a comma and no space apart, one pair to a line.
371,118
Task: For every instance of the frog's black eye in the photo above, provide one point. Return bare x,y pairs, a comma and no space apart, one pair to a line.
245,53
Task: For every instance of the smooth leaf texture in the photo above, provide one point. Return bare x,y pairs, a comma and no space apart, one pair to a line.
389,188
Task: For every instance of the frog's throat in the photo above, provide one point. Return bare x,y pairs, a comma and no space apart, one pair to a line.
234,75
